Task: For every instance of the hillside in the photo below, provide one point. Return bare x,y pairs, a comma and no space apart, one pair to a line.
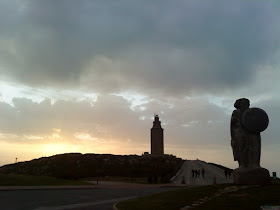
76,165
211,172
221,167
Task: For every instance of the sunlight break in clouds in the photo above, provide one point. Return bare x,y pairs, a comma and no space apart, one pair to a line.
85,136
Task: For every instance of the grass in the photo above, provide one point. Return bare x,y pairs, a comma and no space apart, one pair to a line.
174,199
250,198
26,180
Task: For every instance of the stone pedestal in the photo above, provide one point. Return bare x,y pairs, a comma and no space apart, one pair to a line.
251,176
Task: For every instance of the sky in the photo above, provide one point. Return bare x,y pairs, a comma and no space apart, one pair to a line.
88,76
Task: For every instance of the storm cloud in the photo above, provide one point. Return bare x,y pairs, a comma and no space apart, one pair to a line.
189,46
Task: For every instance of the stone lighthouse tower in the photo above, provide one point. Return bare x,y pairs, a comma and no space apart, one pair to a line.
157,138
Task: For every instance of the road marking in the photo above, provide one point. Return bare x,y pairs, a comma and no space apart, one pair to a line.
79,205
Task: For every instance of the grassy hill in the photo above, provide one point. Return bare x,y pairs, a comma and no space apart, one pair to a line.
76,166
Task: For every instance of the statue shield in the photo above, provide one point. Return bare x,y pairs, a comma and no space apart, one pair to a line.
255,120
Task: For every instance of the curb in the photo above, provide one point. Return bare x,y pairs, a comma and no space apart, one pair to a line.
8,188
115,206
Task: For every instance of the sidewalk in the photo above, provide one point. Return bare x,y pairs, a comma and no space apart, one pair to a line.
110,184
101,185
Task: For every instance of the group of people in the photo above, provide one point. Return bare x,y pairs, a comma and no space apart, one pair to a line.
228,173
196,173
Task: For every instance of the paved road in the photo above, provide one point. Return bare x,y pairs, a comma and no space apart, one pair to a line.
211,171
82,199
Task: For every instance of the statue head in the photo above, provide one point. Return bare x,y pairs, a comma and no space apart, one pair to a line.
242,103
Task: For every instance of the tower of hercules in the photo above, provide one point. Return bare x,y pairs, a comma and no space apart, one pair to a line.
157,137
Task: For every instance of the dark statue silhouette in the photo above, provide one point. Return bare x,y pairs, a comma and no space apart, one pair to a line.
245,127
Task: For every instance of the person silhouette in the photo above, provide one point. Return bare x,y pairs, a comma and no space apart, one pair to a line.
226,173
203,172
229,174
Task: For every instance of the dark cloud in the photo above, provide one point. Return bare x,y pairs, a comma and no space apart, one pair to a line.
157,47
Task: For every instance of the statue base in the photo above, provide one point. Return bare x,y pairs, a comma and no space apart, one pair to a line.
251,176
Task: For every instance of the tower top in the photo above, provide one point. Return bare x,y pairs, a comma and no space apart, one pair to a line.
156,123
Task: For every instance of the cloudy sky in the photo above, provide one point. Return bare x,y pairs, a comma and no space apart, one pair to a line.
88,76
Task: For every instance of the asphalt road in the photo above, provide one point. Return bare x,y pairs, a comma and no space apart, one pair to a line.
82,199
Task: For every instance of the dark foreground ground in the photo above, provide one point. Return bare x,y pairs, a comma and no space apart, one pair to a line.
71,198
221,197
